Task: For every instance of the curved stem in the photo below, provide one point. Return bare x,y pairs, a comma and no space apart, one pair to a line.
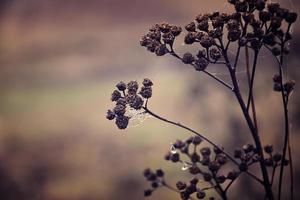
251,83
204,138
206,72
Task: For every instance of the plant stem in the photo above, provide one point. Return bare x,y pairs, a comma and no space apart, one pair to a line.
206,72
287,130
204,138
251,126
219,187
251,83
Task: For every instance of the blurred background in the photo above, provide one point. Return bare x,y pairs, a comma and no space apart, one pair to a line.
59,63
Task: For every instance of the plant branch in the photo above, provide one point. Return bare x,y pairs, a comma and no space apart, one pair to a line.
251,84
251,126
204,138
206,72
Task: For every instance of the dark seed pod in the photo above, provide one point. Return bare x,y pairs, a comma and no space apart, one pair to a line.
110,115
205,151
207,177
201,64
200,194
147,193
232,175
159,173
147,82
243,167
197,140
176,30
291,17
120,110
188,58
268,148
121,86
195,157
180,185
175,157
194,181
122,122
161,50
115,95
191,27
189,38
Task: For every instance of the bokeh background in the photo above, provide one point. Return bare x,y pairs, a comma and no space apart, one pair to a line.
59,62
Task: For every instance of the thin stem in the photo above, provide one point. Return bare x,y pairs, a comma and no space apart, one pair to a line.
273,174
206,72
251,83
231,182
251,126
280,62
291,169
287,130
219,187
204,138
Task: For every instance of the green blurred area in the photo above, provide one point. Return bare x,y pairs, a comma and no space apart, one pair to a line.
59,63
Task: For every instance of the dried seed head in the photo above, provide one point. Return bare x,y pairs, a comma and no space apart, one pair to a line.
291,17
120,110
200,194
180,185
188,58
268,148
115,95
205,151
132,87
146,92
191,27
289,86
206,176
215,54
189,38
121,86
176,30
161,50
148,192
137,102
201,64
110,115
207,41
232,175
122,121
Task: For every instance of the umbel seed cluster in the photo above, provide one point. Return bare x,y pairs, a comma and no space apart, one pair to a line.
266,28
128,95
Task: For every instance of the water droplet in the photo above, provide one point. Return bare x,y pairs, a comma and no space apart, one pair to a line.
173,149
185,166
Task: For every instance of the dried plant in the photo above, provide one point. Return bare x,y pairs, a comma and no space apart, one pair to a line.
254,25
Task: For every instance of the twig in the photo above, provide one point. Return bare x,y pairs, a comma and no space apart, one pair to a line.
204,138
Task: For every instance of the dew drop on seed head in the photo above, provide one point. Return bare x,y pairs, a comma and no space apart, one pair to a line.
185,166
173,149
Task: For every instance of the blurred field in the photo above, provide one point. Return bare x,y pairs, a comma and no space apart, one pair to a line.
59,62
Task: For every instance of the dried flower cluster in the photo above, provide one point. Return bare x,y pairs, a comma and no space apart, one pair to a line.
255,24
244,26
128,95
